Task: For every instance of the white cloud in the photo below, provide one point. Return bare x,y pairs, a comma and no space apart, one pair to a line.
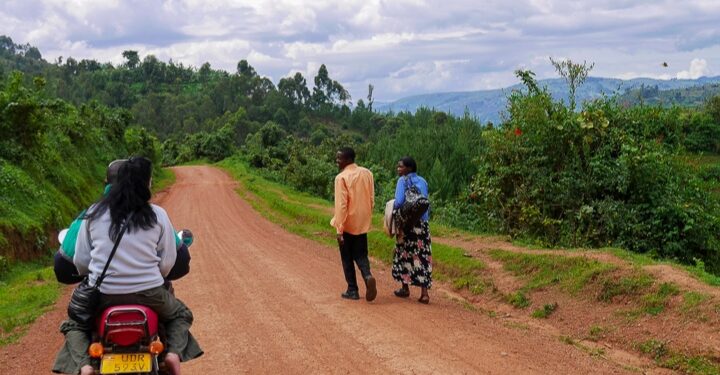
698,68
402,47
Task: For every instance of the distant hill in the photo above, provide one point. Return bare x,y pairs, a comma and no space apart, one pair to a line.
692,96
489,105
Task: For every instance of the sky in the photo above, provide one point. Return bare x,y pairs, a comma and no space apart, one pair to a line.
401,47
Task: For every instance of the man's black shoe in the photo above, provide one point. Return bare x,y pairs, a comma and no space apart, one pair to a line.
350,295
371,291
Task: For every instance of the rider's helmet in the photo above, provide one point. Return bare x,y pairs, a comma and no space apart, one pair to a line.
112,170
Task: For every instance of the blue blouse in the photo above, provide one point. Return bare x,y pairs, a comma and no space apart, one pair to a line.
400,191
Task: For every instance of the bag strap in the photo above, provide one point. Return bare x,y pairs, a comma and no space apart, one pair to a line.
408,182
114,249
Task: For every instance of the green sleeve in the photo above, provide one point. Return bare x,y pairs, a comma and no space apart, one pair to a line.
68,245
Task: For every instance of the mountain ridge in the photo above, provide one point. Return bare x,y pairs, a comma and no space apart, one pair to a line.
488,105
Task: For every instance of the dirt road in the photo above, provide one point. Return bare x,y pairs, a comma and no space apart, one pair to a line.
267,301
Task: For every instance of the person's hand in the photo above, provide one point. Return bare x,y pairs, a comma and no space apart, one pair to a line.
340,240
187,237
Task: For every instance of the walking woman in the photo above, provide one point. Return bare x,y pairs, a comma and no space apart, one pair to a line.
145,254
412,262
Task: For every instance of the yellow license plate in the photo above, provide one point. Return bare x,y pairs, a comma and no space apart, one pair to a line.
125,363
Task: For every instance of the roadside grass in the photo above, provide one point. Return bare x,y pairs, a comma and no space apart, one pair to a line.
162,179
518,300
545,311
697,270
203,161
27,291
592,351
575,274
627,285
597,332
691,302
654,303
666,357
571,274
309,217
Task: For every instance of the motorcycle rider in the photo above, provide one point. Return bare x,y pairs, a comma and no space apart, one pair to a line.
141,283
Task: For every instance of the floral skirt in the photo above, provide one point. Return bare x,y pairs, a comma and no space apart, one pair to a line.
412,262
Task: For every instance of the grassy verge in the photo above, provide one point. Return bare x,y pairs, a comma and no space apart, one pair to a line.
309,217
569,273
666,357
27,291
698,270
575,274
162,179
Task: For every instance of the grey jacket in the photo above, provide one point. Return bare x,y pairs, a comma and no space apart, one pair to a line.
142,259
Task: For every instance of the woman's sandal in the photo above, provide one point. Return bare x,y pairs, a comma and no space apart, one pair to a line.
402,293
424,299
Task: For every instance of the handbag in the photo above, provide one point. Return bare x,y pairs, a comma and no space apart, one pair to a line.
415,204
85,298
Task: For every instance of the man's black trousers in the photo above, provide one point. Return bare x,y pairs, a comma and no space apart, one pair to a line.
355,250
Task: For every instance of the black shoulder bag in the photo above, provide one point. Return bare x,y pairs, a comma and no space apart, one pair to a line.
415,204
86,298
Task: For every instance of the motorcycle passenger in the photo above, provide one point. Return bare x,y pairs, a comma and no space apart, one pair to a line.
65,270
146,253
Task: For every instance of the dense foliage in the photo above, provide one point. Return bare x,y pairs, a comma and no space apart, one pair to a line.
606,174
52,154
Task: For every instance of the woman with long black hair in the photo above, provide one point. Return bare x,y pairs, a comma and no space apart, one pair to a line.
145,255
412,261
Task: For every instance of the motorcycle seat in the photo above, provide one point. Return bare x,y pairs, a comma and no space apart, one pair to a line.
126,325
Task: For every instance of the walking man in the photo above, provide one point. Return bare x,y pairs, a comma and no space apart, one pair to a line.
354,202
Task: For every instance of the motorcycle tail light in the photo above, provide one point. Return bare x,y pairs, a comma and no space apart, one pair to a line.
96,350
156,347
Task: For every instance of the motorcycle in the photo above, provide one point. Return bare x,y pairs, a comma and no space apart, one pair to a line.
128,339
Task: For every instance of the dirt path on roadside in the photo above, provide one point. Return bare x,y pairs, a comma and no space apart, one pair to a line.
267,301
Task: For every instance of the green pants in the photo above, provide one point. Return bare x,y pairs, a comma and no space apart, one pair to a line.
175,316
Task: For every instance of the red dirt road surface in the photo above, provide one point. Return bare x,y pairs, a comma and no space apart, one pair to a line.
267,301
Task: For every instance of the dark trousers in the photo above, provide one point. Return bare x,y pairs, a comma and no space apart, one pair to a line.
355,250
171,311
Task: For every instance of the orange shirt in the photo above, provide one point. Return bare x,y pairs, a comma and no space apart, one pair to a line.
354,200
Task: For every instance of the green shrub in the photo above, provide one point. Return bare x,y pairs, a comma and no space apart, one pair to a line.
545,311
604,176
519,300
52,162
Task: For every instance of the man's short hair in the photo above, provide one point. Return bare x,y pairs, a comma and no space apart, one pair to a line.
348,153
112,170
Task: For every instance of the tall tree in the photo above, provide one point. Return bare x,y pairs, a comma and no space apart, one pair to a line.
295,89
328,91
245,69
132,58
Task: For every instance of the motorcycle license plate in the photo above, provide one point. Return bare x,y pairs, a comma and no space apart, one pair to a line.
125,363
